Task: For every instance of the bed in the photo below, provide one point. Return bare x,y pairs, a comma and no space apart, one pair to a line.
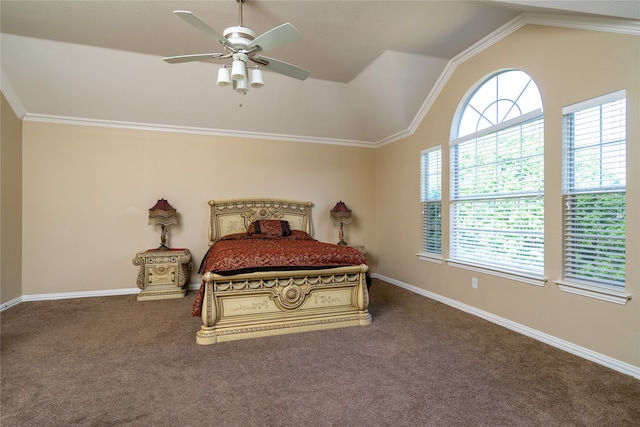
240,299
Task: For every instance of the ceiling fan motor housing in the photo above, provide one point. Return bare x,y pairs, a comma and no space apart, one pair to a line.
239,36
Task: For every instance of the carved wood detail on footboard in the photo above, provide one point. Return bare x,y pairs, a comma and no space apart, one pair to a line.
271,303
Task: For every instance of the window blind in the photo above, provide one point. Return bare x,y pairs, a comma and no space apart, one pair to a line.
594,191
431,199
497,203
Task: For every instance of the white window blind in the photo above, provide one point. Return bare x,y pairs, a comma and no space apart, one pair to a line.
497,177
497,204
594,191
431,199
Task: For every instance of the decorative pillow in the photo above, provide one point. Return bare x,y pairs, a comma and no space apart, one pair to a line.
300,235
270,227
244,236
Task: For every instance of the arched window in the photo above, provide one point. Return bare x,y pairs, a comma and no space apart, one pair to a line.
502,97
497,177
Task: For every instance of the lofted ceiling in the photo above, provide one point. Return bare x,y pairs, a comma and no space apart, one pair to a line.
372,63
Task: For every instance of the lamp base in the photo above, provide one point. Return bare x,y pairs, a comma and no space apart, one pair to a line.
163,239
342,242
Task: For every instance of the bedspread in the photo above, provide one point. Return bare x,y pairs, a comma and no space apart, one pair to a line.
242,253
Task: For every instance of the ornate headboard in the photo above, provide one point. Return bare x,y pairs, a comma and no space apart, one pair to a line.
235,216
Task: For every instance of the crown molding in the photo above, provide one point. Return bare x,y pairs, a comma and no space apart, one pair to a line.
30,117
395,137
591,23
612,25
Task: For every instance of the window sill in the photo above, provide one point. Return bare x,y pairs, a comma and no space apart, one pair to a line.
604,294
426,256
525,278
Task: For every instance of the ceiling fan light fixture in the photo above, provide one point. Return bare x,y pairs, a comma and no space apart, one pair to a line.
256,78
224,76
238,71
241,86
241,44
238,68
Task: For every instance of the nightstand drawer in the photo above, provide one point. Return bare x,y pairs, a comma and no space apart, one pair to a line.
162,275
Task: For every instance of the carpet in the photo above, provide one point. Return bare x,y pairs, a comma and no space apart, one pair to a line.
115,361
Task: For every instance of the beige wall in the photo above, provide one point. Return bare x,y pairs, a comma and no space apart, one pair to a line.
87,191
10,204
568,66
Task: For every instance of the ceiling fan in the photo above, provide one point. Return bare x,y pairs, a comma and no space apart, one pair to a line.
241,44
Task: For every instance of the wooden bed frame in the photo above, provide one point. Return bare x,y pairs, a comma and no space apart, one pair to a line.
278,302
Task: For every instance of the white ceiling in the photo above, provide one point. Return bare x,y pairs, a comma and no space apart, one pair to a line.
372,63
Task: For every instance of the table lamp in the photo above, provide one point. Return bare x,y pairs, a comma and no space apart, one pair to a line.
164,214
340,214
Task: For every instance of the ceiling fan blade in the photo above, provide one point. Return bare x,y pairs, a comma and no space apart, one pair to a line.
199,24
282,67
276,37
196,57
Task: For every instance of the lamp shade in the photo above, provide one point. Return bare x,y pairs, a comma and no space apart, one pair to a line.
238,71
256,78
162,213
340,214
241,86
224,77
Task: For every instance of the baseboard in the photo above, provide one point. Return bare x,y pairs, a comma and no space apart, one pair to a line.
69,295
82,294
11,303
567,346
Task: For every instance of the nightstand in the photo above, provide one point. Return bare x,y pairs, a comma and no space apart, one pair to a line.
163,273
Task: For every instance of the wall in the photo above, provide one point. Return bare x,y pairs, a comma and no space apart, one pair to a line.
568,66
10,204
87,191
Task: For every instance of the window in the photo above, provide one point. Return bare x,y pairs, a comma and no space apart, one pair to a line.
497,178
431,199
594,191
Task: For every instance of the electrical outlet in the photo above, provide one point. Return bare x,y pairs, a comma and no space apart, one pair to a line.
474,283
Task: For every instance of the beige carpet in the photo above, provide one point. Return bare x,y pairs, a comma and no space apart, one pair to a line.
114,361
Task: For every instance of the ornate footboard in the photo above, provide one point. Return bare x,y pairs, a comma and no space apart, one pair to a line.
281,302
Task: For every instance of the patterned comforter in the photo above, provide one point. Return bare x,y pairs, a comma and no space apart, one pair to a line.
243,253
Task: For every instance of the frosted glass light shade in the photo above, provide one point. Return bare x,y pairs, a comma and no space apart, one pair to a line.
224,77
241,86
256,78
238,72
